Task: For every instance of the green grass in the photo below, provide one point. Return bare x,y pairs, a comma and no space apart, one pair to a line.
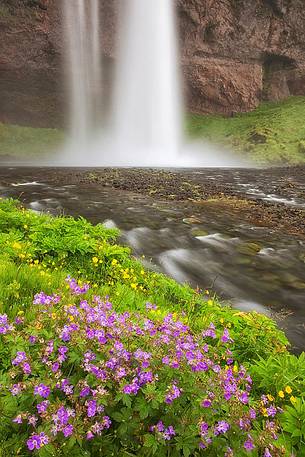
273,133
27,141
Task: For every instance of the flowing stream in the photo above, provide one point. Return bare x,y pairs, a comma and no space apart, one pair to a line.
255,267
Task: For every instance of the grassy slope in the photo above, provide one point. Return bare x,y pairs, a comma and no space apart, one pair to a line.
26,141
273,133
38,251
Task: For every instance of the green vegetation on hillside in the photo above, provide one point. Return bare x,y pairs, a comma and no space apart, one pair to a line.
19,141
37,253
274,133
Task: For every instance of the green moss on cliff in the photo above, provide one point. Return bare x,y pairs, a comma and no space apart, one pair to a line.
274,133
26,141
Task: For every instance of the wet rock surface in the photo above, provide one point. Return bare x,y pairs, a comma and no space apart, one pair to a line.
237,231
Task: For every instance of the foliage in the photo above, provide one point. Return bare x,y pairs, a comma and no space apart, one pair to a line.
38,251
80,378
273,133
27,141
44,243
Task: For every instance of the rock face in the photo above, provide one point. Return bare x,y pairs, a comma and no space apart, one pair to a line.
234,54
238,52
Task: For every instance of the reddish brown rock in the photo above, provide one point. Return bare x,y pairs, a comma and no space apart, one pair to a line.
234,54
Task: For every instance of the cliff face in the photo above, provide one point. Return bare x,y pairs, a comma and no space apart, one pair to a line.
239,52
234,54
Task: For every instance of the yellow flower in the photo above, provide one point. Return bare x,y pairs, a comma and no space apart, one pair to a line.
114,262
95,260
134,286
222,320
270,398
38,326
235,368
36,262
281,394
54,316
25,226
16,245
293,399
288,390
142,272
264,412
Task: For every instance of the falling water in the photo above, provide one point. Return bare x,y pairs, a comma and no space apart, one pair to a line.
147,97
144,126
82,27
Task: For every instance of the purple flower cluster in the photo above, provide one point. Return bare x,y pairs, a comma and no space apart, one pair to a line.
42,390
37,441
47,300
21,360
5,327
172,393
166,433
76,288
94,357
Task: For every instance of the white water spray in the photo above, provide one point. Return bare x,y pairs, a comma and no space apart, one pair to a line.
82,28
145,127
147,97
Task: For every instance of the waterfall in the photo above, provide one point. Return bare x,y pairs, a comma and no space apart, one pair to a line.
82,28
147,118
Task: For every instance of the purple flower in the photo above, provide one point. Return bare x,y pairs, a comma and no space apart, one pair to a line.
20,357
210,332
221,427
206,403
43,406
252,413
37,441
160,426
132,389
42,390
32,339
91,408
18,419
249,445
226,337
68,430
75,288
244,398
89,436
16,389
168,433
271,411
204,427
267,453
26,367
173,393
85,392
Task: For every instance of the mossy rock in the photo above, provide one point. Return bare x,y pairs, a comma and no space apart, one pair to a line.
198,232
249,248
